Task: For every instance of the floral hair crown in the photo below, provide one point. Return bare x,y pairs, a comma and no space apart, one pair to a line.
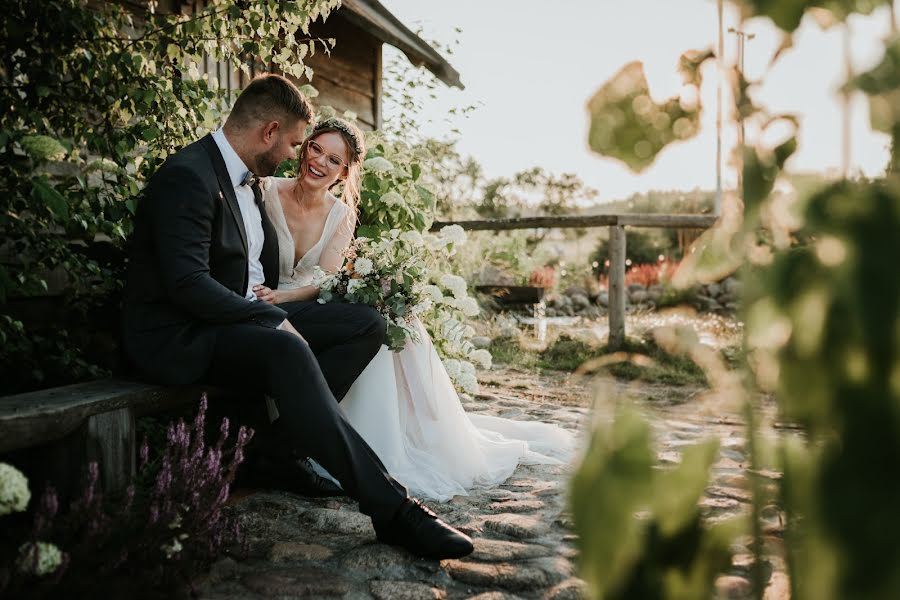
344,127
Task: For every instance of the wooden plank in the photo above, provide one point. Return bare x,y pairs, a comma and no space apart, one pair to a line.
47,415
529,223
668,221
631,220
377,100
616,287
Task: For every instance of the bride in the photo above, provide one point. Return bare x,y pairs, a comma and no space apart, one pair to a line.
403,404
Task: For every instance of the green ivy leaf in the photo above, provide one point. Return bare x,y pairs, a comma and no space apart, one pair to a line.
47,194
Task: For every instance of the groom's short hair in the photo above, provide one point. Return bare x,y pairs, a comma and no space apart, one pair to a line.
267,98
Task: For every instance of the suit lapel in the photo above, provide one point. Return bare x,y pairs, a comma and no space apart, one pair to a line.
269,255
225,185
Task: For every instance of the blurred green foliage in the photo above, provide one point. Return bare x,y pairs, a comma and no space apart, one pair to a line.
627,124
836,301
822,313
648,540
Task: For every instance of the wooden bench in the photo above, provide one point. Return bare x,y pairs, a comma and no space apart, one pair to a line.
70,425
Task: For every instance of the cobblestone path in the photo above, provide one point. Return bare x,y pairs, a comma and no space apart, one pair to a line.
524,546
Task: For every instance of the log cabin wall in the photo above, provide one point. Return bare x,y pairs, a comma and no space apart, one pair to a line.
350,78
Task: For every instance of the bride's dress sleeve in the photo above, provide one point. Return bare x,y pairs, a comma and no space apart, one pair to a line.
333,253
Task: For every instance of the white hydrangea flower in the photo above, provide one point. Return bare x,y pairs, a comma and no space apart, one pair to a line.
14,492
353,285
454,234
455,284
469,306
363,266
435,242
413,237
40,559
483,358
453,368
172,548
433,292
468,382
379,164
466,368
392,198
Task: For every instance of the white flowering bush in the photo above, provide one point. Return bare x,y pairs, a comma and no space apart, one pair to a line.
14,492
396,205
38,559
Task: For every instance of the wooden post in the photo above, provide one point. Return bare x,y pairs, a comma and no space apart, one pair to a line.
110,442
616,287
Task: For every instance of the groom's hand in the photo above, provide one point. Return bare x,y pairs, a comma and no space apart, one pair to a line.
266,294
286,326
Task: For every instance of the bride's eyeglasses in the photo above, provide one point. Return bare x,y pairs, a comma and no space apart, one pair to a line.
334,161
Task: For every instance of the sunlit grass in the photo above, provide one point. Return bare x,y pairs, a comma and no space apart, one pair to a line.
638,360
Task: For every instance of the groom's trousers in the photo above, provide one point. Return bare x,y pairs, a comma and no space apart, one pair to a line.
281,365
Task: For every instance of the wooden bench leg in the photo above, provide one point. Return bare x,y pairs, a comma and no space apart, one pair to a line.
111,442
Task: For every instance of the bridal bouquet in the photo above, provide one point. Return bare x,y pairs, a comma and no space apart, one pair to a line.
385,273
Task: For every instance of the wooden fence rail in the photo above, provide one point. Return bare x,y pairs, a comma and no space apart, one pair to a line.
617,245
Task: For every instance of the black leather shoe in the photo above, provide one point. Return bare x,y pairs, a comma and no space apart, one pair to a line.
421,532
290,475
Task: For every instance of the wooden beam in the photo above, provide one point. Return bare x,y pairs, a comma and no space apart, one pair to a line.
530,223
631,220
666,221
616,287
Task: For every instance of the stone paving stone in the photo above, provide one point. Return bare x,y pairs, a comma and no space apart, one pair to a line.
494,596
501,551
779,587
517,506
570,589
404,590
733,587
338,521
376,557
517,526
556,568
306,582
730,492
294,551
719,503
508,576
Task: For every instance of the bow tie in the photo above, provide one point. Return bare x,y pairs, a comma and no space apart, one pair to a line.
250,179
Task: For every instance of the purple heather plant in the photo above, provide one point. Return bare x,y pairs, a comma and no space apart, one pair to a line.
166,528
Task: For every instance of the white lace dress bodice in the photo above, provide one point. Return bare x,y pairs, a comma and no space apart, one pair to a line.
337,231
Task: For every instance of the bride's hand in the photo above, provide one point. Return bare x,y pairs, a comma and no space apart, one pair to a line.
266,294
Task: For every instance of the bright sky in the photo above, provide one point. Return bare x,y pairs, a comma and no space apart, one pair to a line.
531,66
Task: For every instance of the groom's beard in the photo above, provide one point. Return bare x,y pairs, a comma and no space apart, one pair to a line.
267,163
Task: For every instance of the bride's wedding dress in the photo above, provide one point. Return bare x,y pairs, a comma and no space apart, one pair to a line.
404,404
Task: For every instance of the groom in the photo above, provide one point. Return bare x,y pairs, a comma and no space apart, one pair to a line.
201,243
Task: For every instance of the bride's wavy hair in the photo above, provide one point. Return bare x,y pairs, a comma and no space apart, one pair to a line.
356,146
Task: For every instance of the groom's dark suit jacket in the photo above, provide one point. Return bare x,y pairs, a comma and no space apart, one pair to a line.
187,269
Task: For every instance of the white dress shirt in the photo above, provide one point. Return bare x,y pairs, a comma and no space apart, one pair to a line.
249,211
